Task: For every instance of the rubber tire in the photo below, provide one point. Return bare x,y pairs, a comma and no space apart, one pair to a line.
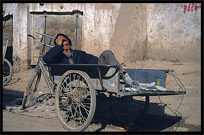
92,104
8,64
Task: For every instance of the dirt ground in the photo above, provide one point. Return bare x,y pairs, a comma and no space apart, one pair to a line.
187,119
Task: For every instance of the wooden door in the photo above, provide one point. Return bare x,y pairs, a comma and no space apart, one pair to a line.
52,24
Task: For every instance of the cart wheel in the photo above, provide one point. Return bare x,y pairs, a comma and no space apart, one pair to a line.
7,72
29,95
127,110
75,100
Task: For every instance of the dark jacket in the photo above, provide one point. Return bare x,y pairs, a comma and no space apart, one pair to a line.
56,56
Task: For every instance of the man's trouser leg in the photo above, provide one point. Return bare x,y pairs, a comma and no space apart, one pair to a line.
107,57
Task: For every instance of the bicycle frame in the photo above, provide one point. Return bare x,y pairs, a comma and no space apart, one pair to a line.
49,81
41,66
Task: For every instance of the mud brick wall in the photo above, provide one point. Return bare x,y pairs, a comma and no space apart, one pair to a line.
133,31
174,31
129,40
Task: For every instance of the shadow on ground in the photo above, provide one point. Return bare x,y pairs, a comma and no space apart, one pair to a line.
9,96
107,116
13,80
147,122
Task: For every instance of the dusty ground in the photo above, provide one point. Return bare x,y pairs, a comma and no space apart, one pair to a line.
187,119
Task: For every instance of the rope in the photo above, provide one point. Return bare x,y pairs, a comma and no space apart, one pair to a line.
183,89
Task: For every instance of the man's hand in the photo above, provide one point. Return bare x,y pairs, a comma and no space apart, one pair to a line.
60,39
66,52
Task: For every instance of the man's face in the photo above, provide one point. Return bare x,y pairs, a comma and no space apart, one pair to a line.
66,46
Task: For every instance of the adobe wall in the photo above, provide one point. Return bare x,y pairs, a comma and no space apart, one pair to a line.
133,31
129,39
20,49
174,32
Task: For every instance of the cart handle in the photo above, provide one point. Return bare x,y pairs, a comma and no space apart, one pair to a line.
108,77
40,42
169,71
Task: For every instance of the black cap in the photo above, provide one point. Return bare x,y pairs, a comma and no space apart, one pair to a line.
65,36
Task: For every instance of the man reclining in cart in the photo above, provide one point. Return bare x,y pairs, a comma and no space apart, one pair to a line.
62,53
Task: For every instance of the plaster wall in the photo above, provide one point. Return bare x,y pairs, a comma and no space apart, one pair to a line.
119,27
129,39
20,52
98,22
133,31
173,34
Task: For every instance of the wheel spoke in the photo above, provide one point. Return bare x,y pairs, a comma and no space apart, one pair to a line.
75,107
74,80
83,119
85,108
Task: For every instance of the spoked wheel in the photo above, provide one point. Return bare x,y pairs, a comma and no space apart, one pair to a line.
127,110
75,100
29,95
7,72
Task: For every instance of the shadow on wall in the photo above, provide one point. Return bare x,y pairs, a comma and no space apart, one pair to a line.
9,54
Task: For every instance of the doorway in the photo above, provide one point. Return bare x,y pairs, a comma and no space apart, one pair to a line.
52,23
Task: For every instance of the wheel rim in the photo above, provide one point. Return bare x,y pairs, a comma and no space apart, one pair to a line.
75,98
7,72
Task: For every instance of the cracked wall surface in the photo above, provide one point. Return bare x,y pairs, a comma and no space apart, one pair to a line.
129,39
174,33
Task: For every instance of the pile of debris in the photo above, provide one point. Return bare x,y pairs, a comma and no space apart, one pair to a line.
43,109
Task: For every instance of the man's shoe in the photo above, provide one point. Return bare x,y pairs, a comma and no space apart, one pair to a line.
132,86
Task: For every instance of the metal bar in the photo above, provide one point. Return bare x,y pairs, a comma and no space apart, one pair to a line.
152,93
146,106
147,100
36,70
40,42
110,76
45,24
50,41
41,39
43,48
45,35
100,78
59,13
118,90
76,30
48,81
